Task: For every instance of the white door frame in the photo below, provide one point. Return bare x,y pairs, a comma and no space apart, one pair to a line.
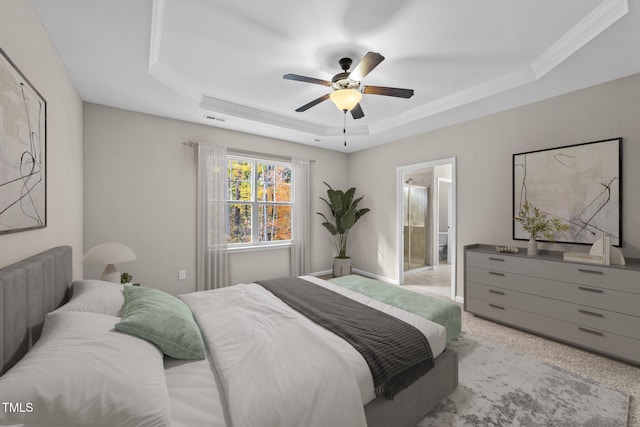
437,216
452,248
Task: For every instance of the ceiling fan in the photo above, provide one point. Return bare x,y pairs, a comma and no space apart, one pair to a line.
347,86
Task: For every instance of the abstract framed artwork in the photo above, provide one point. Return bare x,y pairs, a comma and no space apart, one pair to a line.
579,184
23,182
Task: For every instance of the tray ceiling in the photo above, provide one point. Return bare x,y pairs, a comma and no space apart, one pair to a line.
221,63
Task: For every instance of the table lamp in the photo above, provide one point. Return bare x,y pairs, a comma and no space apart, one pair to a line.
109,254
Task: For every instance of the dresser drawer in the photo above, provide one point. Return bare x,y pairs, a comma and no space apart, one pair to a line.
620,324
513,281
586,337
512,264
588,295
587,274
601,276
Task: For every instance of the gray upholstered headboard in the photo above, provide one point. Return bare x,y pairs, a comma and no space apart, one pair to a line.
29,289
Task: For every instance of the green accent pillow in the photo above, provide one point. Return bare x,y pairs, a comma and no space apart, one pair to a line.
164,320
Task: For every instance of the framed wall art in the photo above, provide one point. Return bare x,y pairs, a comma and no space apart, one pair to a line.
23,182
579,184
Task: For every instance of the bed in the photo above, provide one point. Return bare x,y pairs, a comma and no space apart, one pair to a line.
82,372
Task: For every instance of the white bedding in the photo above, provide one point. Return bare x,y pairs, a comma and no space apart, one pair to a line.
194,394
83,373
274,365
249,369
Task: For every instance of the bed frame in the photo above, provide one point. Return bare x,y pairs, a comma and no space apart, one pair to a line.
30,289
414,402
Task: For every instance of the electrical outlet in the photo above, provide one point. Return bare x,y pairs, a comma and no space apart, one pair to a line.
182,274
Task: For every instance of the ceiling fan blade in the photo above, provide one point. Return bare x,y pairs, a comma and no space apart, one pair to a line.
356,112
305,79
313,103
388,91
370,61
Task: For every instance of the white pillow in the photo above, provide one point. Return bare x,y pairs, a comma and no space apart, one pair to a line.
95,296
84,373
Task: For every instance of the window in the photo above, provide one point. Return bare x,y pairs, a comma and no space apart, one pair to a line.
259,201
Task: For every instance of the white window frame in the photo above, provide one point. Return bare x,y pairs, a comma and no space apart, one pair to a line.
255,204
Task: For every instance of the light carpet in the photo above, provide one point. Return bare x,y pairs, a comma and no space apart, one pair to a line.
501,388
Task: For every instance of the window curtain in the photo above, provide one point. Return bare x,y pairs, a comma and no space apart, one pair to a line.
300,217
212,256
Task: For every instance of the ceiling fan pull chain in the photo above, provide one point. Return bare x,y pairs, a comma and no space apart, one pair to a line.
344,128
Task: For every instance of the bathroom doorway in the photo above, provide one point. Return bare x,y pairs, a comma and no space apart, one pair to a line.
443,219
415,199
426,226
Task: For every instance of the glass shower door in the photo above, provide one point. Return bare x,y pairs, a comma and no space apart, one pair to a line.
416,203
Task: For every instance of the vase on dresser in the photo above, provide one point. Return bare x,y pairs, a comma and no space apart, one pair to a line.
532,247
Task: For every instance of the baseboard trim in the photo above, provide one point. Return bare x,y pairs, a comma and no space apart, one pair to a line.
375,276
321,273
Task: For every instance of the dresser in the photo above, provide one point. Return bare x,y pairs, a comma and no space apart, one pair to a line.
595,307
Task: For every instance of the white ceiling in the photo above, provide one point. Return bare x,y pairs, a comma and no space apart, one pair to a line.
187,59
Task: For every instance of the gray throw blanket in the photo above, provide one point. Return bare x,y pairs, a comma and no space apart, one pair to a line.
397,353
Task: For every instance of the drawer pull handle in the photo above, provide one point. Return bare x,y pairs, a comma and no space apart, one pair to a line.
496,306
591,313
495,273
496,259
590,331
597,291
496,292
584,270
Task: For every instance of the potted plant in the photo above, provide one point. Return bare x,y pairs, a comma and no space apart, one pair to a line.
536,222
126,278
344,214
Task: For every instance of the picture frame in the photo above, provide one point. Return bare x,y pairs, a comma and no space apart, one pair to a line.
23,151
579,184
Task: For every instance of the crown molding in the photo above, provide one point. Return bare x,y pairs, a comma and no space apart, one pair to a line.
593,24
597,21
173,81
157,18
586,30
483,90
157,69
248,113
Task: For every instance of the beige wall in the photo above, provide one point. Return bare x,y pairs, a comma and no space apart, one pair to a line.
140,189
139,180
25,42
483,149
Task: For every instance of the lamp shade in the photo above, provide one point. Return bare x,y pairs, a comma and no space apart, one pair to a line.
345,99
108,253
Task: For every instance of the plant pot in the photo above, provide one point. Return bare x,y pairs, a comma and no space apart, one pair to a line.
532,247
341,267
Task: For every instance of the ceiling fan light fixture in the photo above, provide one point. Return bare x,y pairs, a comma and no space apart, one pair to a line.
346,99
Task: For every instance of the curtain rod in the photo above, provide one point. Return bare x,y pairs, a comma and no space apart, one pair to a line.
247,152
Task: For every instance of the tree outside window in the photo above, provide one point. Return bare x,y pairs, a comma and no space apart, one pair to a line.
259,201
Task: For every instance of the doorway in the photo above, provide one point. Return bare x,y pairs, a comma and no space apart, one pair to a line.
426,225
444,219
415,200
